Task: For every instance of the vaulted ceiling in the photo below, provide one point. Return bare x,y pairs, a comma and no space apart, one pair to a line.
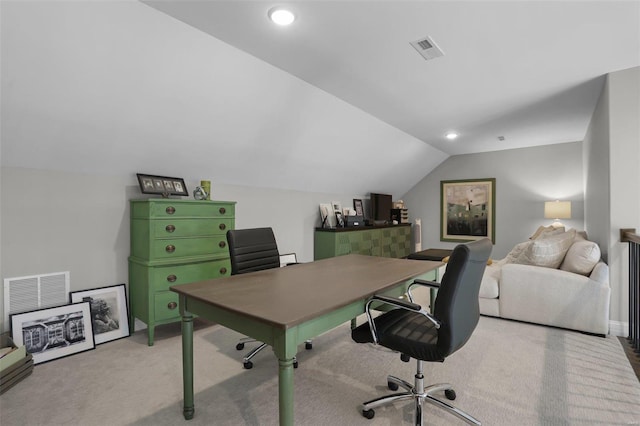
527,71
337,102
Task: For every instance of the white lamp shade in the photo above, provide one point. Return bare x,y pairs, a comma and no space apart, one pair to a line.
557,210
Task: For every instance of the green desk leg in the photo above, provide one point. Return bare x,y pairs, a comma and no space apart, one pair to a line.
285,346
285,391
187,362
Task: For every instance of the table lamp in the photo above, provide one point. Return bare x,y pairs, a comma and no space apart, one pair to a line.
557,210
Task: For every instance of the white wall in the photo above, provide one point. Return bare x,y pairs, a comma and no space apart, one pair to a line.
624,151
596,174
55,221
525,179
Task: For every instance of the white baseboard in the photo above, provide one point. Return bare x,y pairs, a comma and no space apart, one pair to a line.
617,328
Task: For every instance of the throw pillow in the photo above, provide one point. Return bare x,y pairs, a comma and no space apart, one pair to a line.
547,252
550,232
538,232
581,257
516,251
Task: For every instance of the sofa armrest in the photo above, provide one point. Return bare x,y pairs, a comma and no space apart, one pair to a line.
554,297
600,273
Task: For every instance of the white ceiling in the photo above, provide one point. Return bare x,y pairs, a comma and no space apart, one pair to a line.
529,71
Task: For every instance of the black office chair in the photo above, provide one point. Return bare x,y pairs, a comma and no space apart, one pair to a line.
252,250
416,333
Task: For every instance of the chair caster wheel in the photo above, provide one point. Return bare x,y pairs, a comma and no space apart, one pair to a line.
240,346
369,414
392,386
405,358
450,394
248,365
308,345
295,364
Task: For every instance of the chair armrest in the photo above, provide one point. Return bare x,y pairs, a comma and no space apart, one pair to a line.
424,283
399,303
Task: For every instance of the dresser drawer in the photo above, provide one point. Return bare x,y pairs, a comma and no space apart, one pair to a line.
167,228
166,306
162,277
175,248
189,210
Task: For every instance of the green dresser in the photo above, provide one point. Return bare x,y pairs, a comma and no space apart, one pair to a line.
174,242
385,241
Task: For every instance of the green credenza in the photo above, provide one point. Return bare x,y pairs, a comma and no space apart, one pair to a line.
385,241
174,242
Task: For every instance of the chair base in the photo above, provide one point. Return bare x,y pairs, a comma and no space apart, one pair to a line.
246,361
420,395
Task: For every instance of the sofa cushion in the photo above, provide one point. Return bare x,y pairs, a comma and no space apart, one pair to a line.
581,257
489,286
547,252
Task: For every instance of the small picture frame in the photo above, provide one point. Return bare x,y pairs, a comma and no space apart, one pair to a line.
163,185
327,216
54,333
357,206
337,207
109,313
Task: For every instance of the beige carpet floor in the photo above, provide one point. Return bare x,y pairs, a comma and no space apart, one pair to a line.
509,373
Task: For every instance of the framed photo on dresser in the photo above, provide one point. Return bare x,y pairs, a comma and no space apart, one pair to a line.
163,185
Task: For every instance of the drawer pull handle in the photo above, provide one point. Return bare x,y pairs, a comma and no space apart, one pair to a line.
222,244
170,248
222,210
172,305
223,270
170,210
222,226
172,278
170,228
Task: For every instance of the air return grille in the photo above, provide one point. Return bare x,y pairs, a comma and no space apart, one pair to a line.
427,48
25,294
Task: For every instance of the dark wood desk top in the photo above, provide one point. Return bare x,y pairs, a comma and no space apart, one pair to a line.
286,297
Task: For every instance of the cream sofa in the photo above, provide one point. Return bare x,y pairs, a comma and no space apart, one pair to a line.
557,278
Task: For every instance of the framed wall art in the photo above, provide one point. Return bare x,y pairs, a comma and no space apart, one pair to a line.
109,314
467,209
54,333
165,186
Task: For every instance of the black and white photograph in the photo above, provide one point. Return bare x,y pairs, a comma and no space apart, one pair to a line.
109,314
53,333
162,185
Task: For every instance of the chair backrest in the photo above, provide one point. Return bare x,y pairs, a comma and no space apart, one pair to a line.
252,250
456,304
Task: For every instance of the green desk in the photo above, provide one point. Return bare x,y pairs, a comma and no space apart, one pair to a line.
286,306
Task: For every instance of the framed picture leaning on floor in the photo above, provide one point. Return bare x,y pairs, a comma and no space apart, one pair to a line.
109,314
53,333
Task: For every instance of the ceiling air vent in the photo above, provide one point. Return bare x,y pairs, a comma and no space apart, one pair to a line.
427,48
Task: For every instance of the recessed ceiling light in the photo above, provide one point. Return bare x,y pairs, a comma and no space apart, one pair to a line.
281,16
451,135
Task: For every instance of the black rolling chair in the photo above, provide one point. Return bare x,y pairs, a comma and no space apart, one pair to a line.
252,250
416,333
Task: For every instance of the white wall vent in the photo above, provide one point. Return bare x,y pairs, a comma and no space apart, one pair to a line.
427,48
24,294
